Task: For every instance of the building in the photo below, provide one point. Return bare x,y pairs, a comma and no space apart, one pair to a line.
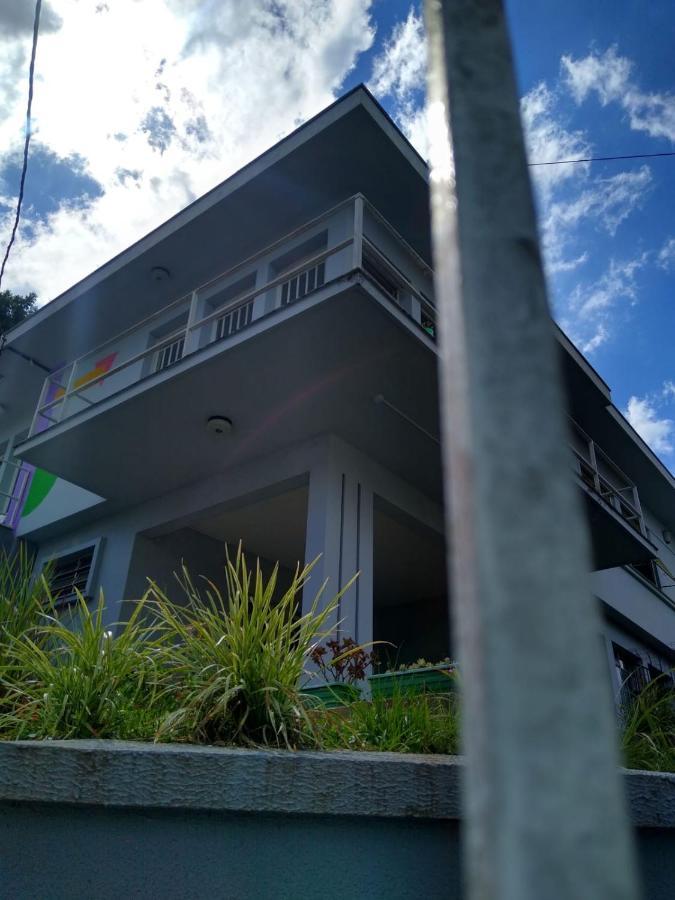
263,367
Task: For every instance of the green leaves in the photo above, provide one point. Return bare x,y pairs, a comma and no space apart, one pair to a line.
422,723
235,663
648,733
76,679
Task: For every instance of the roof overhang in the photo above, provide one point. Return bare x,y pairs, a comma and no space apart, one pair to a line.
350,147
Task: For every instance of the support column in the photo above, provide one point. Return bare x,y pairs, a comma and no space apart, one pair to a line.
340,529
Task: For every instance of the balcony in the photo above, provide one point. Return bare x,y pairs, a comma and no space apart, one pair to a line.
342,302
618,532
14,478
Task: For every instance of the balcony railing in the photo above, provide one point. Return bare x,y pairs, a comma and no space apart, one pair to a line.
13,483
605,479
261,285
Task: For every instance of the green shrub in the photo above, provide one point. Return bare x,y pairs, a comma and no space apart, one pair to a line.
82,681
23,599
648,728
423,723
23,602
235,662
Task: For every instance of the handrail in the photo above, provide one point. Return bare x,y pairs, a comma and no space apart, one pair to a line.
170,338
150,350
191,327
306,226
603,453
17,485
398,274
270,285
611,490
411,250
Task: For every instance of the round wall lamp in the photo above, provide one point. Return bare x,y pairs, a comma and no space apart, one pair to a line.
159,273
667,535
219,425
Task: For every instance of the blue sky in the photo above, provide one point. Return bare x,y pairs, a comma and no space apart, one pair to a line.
142,106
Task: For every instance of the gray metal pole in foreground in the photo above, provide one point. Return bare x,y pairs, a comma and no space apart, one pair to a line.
544,812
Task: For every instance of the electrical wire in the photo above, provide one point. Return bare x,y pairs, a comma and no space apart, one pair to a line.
31,73
566,162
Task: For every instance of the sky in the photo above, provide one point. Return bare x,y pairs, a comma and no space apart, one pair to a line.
141,106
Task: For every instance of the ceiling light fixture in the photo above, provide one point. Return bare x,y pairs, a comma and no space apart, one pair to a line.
220,425
159,273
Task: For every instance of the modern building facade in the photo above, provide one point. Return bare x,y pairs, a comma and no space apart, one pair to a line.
262,367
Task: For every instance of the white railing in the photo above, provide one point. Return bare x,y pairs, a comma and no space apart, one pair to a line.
170,353
119,363
610,484
13,483
234,320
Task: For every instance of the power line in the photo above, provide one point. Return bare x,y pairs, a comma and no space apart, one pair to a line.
31,72
565,162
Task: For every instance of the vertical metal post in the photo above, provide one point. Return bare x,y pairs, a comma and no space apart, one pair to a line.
358,232
33,425
191,341
66,396
543,801
594,464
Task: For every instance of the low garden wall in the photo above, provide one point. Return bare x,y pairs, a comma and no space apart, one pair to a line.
101,819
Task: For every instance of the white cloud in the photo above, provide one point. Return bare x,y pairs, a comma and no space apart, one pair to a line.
220,82
590,309
548,139
659,433
610,77
400,68
571,197
666,257
601,203
399,73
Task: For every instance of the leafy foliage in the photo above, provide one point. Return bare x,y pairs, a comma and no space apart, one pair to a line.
423,723
648,733
343,661
23,601
235,663
82,681
14,308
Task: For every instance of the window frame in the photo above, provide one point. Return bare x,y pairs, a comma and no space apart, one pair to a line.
92,576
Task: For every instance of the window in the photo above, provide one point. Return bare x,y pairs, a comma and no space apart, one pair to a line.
71,573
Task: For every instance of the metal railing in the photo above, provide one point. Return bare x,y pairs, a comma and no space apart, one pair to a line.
76,386
613,485
13,482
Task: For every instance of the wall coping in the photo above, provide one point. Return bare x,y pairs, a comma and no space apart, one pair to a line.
340,783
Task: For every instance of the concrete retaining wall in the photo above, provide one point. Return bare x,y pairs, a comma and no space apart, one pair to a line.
87,819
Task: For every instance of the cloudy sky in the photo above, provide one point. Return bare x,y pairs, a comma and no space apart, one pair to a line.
143,105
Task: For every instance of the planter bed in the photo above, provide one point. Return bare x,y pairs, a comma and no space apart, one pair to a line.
426,680
330,696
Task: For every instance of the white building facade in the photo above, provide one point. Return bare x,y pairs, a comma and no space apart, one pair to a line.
262,368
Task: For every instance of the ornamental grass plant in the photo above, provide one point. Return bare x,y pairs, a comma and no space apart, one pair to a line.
424,723
72,677
648,727
234,663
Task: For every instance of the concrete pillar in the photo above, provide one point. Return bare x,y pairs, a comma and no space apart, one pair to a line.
340,530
